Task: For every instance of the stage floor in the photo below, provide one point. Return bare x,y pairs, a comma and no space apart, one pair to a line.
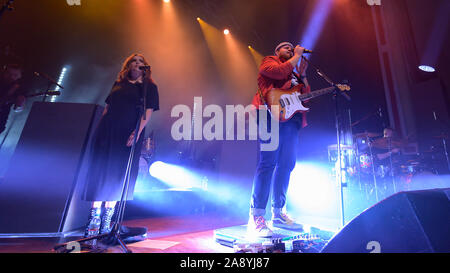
177,234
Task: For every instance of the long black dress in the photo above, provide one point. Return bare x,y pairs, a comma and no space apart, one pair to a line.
109,153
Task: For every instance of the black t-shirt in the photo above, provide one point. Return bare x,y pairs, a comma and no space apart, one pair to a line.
387,160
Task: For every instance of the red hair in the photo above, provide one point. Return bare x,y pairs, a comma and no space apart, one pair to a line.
125,71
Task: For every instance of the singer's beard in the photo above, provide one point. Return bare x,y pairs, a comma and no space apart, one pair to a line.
285,57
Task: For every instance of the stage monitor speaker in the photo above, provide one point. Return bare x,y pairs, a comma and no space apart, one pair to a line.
40,192
407,222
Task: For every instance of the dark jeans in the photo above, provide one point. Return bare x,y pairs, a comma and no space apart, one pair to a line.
277,164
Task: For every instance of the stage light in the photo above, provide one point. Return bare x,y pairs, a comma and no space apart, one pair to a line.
312,189
202,183
438,33
427,68
62,75
174,176
226,31
198,19
316,23
257,57
166,1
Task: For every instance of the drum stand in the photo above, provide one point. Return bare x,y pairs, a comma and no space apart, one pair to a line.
373,169
356,152
391,166
359,168
443,136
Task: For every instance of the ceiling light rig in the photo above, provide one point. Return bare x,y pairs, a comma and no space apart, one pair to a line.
427,68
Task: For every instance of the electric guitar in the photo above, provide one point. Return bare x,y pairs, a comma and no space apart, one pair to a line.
289,102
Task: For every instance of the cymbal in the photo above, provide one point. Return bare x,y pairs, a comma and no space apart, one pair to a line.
366,135
388,143
343,147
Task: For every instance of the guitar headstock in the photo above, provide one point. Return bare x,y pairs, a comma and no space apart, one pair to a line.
343,87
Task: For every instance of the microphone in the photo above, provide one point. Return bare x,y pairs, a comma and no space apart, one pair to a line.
47,93
304,51
144,67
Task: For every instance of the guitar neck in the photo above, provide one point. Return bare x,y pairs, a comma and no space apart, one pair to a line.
316,93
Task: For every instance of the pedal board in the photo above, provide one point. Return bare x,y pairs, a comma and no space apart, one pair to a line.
282,240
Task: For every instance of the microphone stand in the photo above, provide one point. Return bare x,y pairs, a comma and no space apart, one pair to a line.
338,135
114,236
115,232
50,82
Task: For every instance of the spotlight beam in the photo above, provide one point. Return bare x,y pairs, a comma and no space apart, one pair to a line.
316,24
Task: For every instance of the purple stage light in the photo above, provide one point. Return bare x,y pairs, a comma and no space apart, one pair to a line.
316,23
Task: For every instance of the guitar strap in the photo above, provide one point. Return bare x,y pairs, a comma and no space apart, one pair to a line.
264,101
262,97
295,78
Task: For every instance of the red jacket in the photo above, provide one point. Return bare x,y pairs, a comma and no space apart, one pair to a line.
273,73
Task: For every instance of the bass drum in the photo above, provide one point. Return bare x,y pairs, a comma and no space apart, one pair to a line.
365,163
423,180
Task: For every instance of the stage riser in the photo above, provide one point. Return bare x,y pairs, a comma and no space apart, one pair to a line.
41,189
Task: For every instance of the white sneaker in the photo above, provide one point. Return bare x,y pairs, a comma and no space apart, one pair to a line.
257,227
282,220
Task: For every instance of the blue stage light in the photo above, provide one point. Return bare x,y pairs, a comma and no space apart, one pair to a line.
427,68
316,23
62,75
312,189
174,176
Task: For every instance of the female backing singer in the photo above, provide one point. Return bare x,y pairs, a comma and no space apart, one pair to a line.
112,143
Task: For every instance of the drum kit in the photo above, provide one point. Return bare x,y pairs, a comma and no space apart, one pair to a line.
381,165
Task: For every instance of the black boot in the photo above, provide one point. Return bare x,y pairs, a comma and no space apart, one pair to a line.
134,234
93,225
106,220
